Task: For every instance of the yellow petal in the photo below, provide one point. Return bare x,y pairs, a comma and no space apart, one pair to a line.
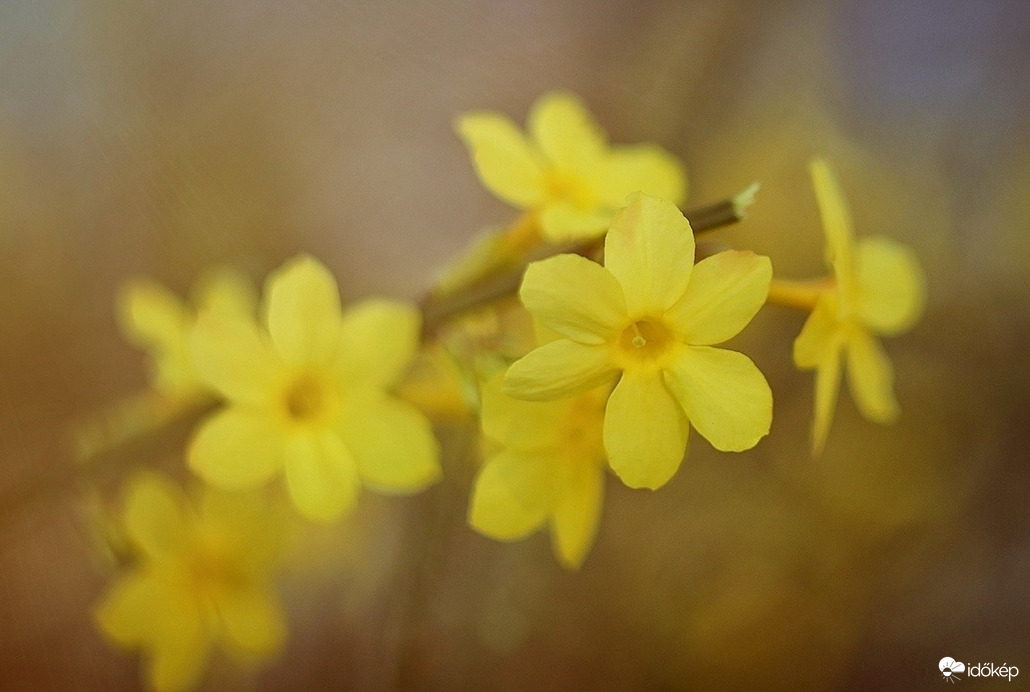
724,395
892,288
321,475
725,292
562,222
392,444
827,387
181,643
837,227
643,168
564,130
511,496
558,369
575,297
155,519
577,513
645,431
303,311
505,161
225,291
378,341
871,378
237,449
522,425
253,619
125,613
150,315
650,250
232,356
819,336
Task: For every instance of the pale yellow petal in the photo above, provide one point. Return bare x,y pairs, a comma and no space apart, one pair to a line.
392,443
321,475
378,341
519,424
181,643
837,226
819,336
303,303
827,388
577,514
231,355
225,290
725,292
237,449
125,613
558,369
565,131
253,619
645,431
871,378
642,168
512,495
650,250
575,297
724,394
150,315
892,287
505,161
562,222
155,515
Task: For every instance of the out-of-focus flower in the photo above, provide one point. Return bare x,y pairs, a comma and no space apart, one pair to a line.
877,288
203,578
565,173
155,319
549,470
650,315
310,396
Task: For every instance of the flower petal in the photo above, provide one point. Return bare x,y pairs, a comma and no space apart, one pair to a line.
725,292
837,226
511,496
125,613
321,475
236,449
303,311
505,161
225,290
871,378
155,519
575,297
645,431
522,425
892,288
231,355
642,168
724,395
577,513
181,642
819,335
650,250
392,443
558,369
378,341
253,618
562,222
565,131
150,315
827,388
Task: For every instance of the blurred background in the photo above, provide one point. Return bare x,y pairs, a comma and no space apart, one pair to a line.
140,137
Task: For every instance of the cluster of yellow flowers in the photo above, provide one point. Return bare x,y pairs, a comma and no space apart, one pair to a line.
622,362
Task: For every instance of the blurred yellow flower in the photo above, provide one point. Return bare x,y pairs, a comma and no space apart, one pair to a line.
564,172
650,315
203,579
549,469
155,319
878,288
310,396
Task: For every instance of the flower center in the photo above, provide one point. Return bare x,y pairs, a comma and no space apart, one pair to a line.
645,341
307,399
566,186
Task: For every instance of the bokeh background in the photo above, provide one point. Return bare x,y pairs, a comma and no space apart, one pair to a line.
158,138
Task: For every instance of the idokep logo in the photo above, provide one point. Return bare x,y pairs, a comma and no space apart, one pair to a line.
950,669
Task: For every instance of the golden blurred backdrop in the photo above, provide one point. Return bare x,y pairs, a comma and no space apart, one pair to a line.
140,137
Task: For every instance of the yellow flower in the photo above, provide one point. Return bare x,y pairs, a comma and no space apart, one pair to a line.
155,319
311,396
549,470
650,315
202,579
877,288
565,172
